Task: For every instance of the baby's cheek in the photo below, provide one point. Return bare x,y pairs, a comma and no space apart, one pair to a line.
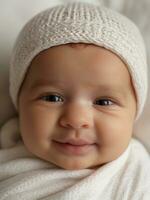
41,123
112,130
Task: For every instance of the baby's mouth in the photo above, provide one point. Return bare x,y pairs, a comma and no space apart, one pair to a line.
74,147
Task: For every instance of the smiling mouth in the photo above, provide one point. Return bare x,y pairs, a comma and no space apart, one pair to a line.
74,147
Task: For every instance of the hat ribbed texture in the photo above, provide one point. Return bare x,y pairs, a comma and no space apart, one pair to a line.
81,22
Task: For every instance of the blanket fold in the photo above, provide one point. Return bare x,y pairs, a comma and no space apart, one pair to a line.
26,177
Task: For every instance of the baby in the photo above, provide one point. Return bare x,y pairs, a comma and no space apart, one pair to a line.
78,80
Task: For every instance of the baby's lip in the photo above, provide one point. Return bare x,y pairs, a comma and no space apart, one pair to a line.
74,146
76,142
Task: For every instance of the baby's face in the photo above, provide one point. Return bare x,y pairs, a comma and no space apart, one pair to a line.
77,106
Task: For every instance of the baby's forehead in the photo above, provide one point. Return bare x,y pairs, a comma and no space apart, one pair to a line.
59,65
74,54
78,48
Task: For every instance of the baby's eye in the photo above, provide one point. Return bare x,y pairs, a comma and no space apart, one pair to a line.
104,102
52,98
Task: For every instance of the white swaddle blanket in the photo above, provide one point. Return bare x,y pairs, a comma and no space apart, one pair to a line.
25,177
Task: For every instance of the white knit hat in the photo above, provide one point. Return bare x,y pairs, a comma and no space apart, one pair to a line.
81,23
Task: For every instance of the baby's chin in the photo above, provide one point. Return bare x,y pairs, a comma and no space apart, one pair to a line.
81,163
76,165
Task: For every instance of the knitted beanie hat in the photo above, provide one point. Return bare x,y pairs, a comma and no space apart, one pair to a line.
81,23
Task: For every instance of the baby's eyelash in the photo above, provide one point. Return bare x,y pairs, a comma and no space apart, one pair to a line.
58,98
104,102
52,98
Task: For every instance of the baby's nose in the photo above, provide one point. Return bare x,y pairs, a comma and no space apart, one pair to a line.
77,117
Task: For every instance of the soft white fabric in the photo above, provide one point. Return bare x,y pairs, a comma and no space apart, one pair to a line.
25,177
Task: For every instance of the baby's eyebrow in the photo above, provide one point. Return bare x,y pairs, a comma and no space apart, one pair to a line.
111,90
104,88
41,83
